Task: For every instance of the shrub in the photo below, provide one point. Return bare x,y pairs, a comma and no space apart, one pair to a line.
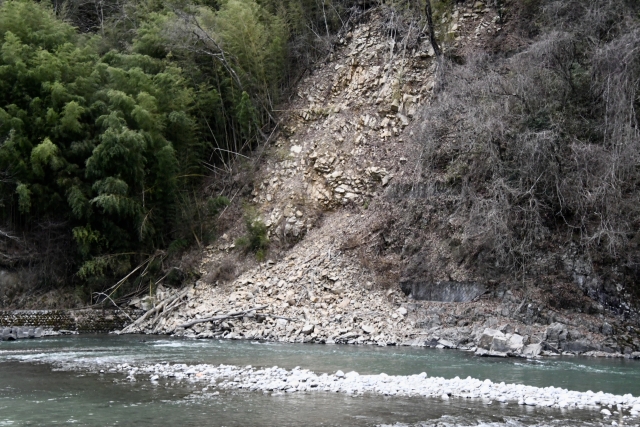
543,144
256,240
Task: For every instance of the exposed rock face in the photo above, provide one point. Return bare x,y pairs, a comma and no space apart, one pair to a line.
442,291
556,334
578,347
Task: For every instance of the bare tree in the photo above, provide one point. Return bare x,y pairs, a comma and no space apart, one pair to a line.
542,146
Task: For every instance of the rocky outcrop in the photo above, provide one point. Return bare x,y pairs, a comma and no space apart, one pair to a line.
442,291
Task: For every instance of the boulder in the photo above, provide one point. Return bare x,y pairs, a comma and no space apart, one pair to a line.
515,343
486,339
368,329
556,333
486,353
532,350
499,344
307,329
578,347
446,344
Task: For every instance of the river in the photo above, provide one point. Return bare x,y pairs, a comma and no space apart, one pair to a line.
54,381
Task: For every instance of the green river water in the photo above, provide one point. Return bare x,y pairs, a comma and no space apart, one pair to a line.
48,382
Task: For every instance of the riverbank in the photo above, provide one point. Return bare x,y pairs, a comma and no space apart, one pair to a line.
337,268
312,297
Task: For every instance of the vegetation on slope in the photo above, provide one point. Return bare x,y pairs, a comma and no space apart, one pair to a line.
109,126
537,149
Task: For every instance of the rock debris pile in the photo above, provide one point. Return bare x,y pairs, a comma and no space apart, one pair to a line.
319,298
313,296
317,294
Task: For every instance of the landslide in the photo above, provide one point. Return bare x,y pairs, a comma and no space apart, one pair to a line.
375,215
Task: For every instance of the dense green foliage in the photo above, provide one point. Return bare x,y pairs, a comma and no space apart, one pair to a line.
88,139
113,114
256,240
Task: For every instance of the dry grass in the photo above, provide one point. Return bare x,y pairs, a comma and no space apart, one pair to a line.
225,271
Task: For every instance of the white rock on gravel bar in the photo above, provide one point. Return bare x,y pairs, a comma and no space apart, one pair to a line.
277,380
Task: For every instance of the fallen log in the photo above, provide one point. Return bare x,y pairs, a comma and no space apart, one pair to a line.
221,317
157,309
164,315
291,319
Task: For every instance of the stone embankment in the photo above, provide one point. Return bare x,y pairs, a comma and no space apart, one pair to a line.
278,380
15,324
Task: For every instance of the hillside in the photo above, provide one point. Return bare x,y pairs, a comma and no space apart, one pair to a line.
363,235
335,172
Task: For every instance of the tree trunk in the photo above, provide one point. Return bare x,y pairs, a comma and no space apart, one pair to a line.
431,29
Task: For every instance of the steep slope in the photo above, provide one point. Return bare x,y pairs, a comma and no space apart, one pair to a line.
326,189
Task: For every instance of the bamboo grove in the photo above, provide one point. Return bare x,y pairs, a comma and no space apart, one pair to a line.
112,113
